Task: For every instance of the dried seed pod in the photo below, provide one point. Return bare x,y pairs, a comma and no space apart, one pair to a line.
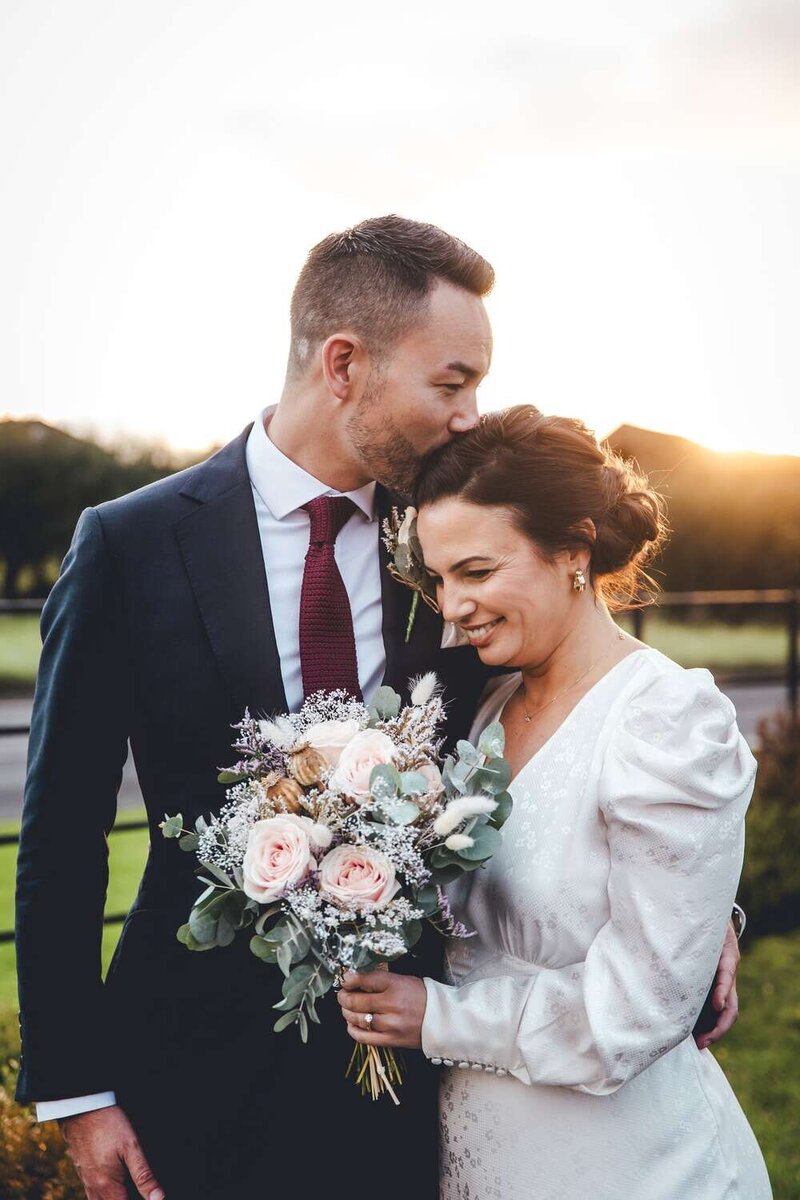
286,794
307,766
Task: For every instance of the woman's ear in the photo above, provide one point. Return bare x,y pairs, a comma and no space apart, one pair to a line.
580,556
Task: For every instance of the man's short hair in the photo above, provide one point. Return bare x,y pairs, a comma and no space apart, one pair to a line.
375,280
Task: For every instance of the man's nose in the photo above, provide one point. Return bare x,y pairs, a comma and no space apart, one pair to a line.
466,415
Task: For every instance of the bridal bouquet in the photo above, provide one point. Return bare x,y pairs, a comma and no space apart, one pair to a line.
342,825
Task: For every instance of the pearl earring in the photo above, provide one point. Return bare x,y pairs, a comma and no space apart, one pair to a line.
579,581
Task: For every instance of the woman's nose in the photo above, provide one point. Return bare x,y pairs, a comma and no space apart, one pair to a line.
454,603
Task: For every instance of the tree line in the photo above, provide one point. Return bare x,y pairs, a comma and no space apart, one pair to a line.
47,478
735,517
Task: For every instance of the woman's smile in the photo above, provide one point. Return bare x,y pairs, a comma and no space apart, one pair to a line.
481,635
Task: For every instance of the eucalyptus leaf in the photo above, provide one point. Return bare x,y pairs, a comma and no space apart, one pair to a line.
295,986
320,981
265,916
427,898
230,777
386,703
485,842
263,950
412,932
413,783
492,741
297,941
461,770
303,1025
400,812
217,873
204,897
279,932
467,753
203,927
493,777
449,873
285,1021
284,957
503,810
172,827
384,782
189,842
226,932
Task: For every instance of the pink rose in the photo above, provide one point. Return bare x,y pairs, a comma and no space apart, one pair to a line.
278,854
329,738
357,876
368,749
432,776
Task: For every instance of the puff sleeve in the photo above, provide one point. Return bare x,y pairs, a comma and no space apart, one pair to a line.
674,783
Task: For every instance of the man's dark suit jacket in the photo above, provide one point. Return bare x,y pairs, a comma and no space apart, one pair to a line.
159,632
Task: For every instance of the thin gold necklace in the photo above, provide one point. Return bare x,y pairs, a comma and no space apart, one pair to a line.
538,711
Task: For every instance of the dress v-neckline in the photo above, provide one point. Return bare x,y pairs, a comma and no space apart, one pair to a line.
567,719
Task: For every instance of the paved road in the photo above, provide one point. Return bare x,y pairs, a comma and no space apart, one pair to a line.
753,701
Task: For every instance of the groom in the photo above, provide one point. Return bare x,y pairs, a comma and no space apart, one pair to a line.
177,607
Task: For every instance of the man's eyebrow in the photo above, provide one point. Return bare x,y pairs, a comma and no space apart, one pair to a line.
463,369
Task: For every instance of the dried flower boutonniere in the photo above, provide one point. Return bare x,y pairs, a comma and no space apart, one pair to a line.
406,563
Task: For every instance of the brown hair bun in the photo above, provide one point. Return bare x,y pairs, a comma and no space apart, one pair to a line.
552,473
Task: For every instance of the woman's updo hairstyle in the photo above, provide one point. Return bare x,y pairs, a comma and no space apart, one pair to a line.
552,473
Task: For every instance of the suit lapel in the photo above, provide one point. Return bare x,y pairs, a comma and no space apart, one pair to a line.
221,549
404,659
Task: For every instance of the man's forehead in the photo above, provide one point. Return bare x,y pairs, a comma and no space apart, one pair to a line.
459,339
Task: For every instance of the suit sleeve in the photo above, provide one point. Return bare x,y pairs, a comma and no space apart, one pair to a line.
77,750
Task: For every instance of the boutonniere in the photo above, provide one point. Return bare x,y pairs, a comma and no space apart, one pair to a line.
406,563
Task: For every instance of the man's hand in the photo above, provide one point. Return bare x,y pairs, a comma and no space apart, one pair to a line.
725,1000
105,1151
397,1004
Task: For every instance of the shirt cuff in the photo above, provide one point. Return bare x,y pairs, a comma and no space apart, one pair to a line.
54,1110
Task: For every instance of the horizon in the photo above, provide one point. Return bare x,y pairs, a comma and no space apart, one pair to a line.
122,442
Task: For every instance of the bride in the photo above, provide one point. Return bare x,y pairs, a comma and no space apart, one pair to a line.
564,1032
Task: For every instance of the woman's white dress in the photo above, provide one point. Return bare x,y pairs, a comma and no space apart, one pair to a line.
570,1072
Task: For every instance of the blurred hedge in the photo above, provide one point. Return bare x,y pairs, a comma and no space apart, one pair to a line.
33,1161
770,887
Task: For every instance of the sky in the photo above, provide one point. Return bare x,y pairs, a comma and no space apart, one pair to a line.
631,169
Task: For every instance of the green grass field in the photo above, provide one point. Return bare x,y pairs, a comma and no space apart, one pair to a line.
19,650
761,1057
750,647
127,853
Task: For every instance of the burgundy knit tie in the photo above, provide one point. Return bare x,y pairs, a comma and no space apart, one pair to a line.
327,642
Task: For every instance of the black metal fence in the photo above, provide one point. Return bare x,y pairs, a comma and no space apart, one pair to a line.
787,601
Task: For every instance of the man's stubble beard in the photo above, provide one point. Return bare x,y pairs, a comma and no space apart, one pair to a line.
386,452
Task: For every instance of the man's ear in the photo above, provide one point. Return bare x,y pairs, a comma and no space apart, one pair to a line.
343,359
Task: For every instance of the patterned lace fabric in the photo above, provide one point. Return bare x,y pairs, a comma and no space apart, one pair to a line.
569,1070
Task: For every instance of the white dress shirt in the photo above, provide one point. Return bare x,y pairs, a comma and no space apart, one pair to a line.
280,489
